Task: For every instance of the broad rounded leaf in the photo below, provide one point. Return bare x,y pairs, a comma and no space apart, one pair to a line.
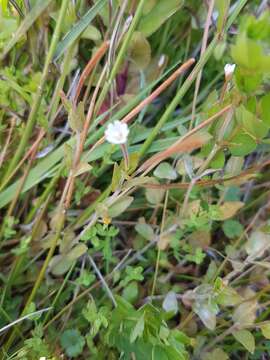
232,228
242,144
165,171
72,342
154,196
254,126
145,231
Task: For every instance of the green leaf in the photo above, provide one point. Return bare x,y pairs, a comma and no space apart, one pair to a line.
131,292
120,206
219,50
165,171
140,50
228,297
265,329
72,342
218,160
242,144
197,258
97,319
245,338
245,313
250,54
251,123
138,329
76,252
85,278
68,155
232,228
133,273
265,105
162,11
152,195
91,33
222,7
216,354
234,166
78,28
59,265
76,118
145,231
117,175
227,210
248,82
27,22
82,168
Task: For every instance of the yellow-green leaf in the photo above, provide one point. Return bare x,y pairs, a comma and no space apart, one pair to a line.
116,177
245,338
82,168
77,251
265,329
228,210
162,11
140,50
120,206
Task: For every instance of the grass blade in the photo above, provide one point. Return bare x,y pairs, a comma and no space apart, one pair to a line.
78,28
28,21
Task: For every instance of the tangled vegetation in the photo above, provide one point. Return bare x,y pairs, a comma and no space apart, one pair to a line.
134,179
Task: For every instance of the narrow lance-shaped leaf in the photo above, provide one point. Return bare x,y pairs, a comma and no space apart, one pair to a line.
78,28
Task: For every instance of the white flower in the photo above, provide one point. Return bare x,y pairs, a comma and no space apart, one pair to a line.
117,132
42,358
229,70
161,60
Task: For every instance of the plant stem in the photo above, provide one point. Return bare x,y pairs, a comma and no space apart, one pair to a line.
40,276
125,155
159,247
203,47
33,116
88,211
59,293
121,53
60,84
187,84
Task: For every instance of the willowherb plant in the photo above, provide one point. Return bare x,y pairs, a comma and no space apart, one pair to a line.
134,155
